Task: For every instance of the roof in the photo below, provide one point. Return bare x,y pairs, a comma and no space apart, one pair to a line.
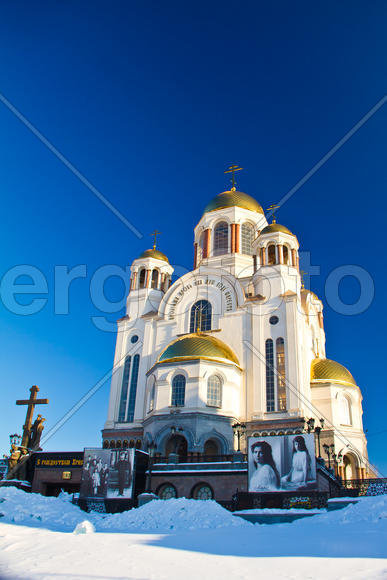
329,371
234,198
197,346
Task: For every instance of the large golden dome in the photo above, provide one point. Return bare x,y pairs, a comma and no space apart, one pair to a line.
274,227
233,198
324,370
154,254
197,346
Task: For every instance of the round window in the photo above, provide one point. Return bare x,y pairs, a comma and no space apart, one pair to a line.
134,338
273,319
167,491
204,492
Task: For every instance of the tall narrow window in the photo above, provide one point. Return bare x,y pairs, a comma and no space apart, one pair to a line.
142,278
281,374
270,399
345,411
133,389
155,278
152,394
214,391
271,254
247,234
221,239
178,391
201,313
124,389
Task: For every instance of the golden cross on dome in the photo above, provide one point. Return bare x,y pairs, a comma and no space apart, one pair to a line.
155,234
272,208
302,274
232,169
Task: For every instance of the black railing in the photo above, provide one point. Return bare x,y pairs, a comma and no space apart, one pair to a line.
200,458
360,487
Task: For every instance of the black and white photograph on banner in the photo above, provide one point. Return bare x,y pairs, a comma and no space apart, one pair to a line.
120,484
95,473
282,463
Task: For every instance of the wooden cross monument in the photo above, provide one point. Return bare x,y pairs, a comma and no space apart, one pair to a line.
31,402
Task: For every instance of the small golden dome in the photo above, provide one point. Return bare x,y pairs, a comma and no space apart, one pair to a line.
233,198
274,227
197,346
154,254
324,370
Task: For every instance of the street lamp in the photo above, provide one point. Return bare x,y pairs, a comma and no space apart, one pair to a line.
174,432
336,460
15,439
239,429
151,450
329,450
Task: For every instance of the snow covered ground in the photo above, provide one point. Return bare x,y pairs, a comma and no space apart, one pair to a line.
186,539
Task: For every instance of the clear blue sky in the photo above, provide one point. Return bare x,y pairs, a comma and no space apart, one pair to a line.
151,101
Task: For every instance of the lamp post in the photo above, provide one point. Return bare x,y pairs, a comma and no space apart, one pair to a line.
310,426
151,450
15,439
336,460
239,429
329,450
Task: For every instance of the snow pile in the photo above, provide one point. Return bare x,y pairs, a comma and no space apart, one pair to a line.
84,527
366,510
33,509
59,514
172,514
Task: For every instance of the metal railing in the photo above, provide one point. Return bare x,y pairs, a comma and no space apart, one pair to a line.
196,458
359,487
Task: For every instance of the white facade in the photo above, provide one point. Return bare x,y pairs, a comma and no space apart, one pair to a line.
251,300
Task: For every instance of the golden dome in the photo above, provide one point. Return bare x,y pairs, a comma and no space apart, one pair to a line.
154,254
197,346
323,370
274,227
233,198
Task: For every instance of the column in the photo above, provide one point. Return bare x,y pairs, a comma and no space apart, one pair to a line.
280,250
294,258
207,242
263,256
195,255
147,279
232,227
255,262
236,237
134,280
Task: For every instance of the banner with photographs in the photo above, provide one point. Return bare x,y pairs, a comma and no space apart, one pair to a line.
282,463
107,473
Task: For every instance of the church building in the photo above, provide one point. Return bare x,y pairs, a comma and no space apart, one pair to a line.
236,346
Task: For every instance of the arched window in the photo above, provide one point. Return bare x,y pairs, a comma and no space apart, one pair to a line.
142,278
281,375
124,389
201,313
286,254
214,391
133,389
200,253
345,410
167,491
270,399
271,254
221,239
155,279
152,393
178,391
247,235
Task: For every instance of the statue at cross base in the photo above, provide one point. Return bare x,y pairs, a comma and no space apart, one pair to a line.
32,433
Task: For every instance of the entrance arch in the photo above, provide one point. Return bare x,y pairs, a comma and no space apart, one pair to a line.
177,444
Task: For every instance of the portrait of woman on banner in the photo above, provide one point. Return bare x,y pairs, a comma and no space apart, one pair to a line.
266,476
